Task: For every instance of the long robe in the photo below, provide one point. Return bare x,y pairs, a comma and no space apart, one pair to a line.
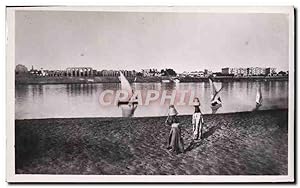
175,141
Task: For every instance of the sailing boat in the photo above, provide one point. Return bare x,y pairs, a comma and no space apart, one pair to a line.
215,102
128,105
258,97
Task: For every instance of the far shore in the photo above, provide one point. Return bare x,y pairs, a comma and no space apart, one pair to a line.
243,143
30,79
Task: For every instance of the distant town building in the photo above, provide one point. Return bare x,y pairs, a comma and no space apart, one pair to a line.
201,74
150,72
115,73
21,69
254,71
56,73
197,74
251,71
108,73
128,73
270,71
238,71
225,70
79,71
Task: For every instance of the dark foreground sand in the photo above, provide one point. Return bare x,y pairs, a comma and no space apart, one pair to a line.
240,143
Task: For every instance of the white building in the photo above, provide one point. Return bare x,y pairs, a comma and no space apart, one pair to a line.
193,74
252,71
257,71
150,72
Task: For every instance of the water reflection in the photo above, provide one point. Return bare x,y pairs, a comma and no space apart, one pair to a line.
168,86
128,110
36,90
80,89
82,100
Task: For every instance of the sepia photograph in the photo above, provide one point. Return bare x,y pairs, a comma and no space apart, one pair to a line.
150,94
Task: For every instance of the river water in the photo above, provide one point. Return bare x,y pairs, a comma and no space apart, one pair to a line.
82,100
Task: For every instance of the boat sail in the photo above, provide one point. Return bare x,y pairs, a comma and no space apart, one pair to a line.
129,105
125,86
215,102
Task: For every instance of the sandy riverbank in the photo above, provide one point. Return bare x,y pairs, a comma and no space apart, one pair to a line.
237,144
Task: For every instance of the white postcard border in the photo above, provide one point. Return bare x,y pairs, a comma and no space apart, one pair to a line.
10,98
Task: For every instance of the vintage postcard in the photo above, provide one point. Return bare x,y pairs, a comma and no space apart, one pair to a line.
150,94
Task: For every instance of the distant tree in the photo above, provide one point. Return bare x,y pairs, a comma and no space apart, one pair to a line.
21,69
171,72
168,72
282,73
139,74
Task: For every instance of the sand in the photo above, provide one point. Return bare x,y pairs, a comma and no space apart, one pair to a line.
247,143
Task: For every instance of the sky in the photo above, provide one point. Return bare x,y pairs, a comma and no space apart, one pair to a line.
135,41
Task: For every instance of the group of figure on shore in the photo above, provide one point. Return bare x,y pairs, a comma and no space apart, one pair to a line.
175,140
